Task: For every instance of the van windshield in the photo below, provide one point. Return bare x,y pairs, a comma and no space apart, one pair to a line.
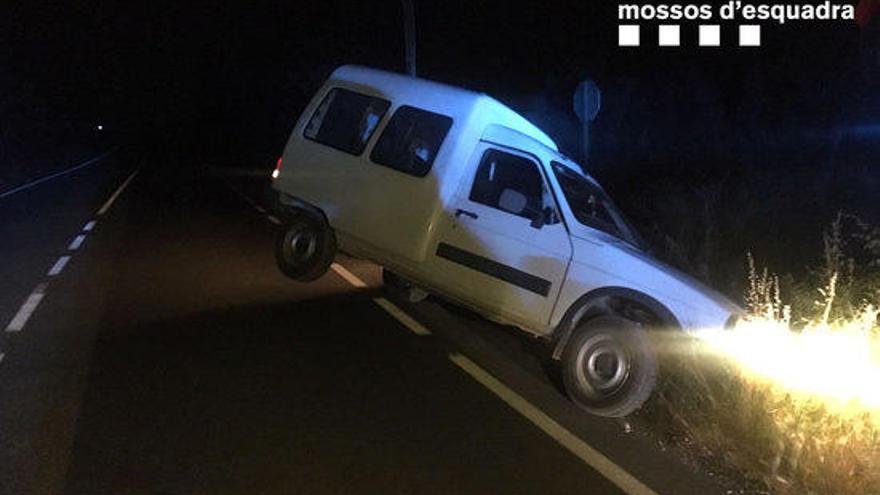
592,207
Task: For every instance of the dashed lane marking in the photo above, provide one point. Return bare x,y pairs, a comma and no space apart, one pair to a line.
274,219
408,321
590,456
571,442
76,242
58,266
348,276
116,194
27,309
33,300
391,308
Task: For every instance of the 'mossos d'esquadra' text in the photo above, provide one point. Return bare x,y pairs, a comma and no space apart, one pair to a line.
737,10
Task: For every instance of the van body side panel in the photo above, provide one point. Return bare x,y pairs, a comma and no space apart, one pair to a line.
453,171
390,214
599,264
373,204
401,221
511,271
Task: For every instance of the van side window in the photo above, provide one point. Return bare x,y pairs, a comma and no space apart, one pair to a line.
499,171
411,140
345,120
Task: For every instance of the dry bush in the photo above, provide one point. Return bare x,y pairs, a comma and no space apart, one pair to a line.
780,441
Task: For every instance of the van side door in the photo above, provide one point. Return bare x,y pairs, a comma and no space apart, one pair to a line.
505,249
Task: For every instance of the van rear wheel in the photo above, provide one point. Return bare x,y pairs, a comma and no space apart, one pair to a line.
305,248
609,367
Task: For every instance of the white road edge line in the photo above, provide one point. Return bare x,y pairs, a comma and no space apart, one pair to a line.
56,174
348,276
274,219
575,445
76,242
27,309
89,226
58,266
407,320
116,194
391,308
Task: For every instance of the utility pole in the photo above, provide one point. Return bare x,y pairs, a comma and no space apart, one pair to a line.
587,103
409,33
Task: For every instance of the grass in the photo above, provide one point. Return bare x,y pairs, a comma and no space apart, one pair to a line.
770,420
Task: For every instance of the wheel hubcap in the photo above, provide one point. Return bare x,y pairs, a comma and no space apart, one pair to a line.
300,246
602,366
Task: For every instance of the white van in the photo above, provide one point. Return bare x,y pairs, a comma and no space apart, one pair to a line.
457,195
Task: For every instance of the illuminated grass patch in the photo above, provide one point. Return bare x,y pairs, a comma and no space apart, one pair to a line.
790,398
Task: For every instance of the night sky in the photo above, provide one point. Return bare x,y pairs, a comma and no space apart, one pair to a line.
202,69
765,143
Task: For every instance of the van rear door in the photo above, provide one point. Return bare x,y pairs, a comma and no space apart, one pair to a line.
505,248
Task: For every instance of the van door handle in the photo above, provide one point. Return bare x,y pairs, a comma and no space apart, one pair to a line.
459,212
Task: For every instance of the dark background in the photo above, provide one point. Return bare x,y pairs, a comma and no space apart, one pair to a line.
713,151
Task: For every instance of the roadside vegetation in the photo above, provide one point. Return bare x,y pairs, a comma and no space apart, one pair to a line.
787,399
765,191
725,173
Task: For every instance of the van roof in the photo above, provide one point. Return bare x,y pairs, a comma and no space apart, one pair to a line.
409,89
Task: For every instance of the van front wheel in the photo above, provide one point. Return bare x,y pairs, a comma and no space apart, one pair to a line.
305,248
609,367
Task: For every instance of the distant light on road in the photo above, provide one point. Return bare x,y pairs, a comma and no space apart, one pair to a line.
100,127
275,173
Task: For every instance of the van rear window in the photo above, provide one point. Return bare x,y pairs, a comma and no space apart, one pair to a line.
411,140
345,120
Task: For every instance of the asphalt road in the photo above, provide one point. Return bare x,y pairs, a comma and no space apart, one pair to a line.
168,355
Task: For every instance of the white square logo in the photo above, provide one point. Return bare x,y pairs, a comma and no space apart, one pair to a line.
750,35
628,35
710,35
670,35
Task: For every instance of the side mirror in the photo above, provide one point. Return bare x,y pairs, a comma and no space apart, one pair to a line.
538,220
543,217
512,201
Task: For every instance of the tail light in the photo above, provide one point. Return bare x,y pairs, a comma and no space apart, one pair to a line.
277,171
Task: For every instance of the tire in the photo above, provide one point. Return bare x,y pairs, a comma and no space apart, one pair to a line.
609,367
399,288
305,248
